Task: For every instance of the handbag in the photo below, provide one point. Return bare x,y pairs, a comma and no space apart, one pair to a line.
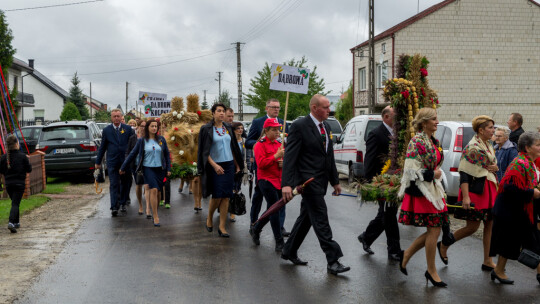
237,204
476,186
529,258
139,178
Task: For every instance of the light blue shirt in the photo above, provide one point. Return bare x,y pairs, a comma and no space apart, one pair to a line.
220,151
152,154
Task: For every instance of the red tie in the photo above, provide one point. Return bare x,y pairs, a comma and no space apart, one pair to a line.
323,135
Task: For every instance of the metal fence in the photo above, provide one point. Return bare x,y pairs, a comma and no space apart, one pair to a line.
34,122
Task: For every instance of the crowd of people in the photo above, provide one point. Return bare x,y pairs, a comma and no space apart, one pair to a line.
499,182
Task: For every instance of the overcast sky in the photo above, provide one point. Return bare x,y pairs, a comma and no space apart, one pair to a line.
187,42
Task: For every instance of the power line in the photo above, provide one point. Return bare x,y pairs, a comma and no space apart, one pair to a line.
49,6
149,66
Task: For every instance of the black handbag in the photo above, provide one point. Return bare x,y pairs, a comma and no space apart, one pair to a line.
529,258
476,185
139,178
237,204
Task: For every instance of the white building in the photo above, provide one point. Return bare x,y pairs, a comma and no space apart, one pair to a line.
484,58
249,112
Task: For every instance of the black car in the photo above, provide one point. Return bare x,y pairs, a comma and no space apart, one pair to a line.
31,136
70,147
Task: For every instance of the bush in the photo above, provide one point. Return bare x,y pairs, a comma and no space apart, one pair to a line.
70,112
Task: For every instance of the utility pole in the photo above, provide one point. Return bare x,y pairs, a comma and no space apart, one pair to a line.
371,95
219,82
90,100
239,70
204,99
126,98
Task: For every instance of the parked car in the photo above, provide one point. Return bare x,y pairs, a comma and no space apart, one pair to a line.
31,136
453,137
102,125
70,147
335,126
350,146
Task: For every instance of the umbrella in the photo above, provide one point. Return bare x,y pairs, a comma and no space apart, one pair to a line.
277,205
98,178
250,177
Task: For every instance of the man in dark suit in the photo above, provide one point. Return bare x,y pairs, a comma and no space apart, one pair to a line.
309,153
377,148
515,121
255,130
115,141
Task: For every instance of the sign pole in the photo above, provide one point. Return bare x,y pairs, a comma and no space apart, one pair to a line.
285,118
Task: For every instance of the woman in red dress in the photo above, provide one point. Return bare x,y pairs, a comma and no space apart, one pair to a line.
478,186
423,194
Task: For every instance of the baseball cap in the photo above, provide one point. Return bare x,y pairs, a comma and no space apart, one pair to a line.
271,122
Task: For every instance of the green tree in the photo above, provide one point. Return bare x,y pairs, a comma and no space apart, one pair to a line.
204,105
6,58
70,112
260,91
102,116
77,98
344,110
224,98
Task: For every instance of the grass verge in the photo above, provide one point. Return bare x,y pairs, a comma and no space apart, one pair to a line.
55,186
26,205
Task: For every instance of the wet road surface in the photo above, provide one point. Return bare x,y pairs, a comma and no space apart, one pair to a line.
127,260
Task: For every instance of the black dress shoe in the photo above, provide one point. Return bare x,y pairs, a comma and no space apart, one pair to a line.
337,267
294,260
123,209
538,277
279,245
114,212
284,232
501,280
486,267
394,256
255,236
364,244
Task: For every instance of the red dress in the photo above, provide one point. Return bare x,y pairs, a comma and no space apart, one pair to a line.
420,212
482,204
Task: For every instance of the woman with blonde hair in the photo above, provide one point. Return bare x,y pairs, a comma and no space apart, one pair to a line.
423,195
478,186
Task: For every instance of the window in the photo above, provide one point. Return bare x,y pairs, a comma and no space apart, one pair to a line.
362,79
15,84
372,124
383,48
382,74
65,132
39,114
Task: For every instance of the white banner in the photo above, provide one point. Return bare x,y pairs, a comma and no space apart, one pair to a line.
154,104
289,79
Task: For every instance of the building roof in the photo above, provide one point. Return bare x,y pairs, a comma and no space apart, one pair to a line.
50,84
247,109
21,65
412,20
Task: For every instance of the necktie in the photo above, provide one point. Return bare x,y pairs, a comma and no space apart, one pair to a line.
323,135
117,132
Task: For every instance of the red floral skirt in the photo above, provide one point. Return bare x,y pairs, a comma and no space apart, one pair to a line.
483,203
418,211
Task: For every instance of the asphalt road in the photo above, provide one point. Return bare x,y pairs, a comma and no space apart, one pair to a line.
127,260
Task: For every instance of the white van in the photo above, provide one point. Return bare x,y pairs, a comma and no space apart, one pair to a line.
350,147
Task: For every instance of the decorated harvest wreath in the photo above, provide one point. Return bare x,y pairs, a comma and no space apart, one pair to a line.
407,93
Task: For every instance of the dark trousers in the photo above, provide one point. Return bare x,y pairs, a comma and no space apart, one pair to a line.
115,187
126,181
16,193
272,195
166,192
256,204
386,221
313,212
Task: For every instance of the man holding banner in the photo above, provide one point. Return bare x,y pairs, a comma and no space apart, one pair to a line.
310,154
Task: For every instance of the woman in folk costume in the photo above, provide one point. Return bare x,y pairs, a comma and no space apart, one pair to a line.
514,223
423,194
478,186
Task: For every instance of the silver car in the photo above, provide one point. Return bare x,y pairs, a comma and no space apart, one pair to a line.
454,137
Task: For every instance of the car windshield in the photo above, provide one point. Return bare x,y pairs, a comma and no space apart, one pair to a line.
102,125
468,134
334,125
65,133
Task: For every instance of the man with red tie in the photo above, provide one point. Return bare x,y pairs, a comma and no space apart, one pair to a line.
309,154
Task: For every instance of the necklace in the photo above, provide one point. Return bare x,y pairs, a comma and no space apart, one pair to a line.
220,134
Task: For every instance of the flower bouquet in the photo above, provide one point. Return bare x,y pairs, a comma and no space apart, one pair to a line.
184,171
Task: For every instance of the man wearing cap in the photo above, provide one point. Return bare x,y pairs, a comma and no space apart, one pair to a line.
255,130
310,154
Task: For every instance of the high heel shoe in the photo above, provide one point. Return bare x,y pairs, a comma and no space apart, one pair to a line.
501,280
209,229
221,234
401,268
443,259
148,216
157,225
435,283
486,267
196,210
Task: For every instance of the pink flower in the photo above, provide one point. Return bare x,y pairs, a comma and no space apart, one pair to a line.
421,149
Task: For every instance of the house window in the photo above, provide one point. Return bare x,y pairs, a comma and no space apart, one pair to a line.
382,74
362,79
15,82
361,53
383,48
39,114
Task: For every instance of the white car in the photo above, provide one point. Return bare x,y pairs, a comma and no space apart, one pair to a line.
350,146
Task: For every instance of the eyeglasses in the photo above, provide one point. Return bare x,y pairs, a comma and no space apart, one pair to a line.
274,107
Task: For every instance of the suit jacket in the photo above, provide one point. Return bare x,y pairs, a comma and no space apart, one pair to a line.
115,145
255,130
377,147
206,135
305,158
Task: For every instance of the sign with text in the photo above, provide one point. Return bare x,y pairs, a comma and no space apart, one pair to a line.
154,104
289,79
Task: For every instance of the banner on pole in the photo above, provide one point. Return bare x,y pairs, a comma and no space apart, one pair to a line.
154,104
289,79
